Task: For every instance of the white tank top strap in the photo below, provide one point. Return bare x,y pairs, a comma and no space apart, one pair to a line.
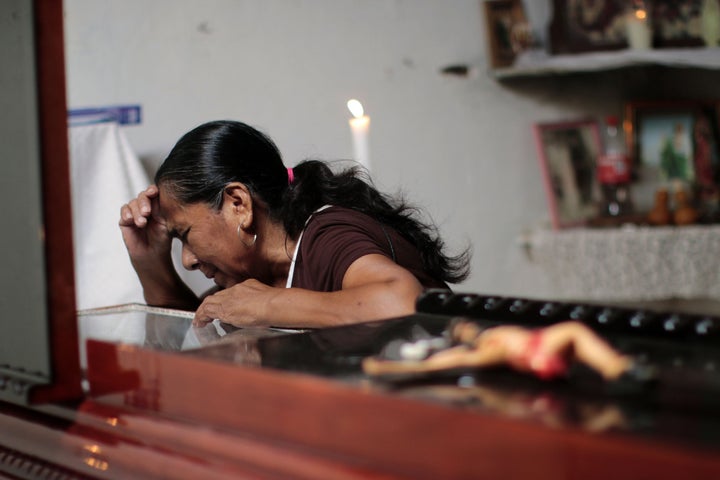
291,273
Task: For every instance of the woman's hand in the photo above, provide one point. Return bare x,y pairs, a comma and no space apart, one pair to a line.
149,245
143,230
242,305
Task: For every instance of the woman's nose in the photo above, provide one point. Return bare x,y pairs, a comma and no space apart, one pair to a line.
189,260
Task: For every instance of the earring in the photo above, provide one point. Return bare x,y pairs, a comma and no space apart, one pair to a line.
248,245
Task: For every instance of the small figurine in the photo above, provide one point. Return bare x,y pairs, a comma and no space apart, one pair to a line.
545,352
660,214
685,213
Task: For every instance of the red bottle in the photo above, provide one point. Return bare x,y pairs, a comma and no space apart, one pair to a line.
613,171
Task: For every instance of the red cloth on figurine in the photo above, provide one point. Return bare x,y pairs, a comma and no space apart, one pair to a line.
543,365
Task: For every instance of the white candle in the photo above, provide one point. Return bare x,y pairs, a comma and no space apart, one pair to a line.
638,30
360,126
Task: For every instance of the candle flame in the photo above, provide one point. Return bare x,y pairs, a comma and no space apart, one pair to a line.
640,14
355,108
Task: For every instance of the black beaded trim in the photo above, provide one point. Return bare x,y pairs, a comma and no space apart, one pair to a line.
603,318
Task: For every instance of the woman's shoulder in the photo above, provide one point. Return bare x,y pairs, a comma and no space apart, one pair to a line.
332,240
341,224
339,215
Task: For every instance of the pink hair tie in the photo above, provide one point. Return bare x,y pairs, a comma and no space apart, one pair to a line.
291,175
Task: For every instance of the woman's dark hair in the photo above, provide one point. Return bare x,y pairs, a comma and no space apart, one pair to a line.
214,154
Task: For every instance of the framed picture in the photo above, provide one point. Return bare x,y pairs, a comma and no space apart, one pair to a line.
568,154
587,25
508,32
673,144
677,23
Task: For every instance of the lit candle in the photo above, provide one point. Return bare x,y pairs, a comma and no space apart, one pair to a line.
638,29
360,126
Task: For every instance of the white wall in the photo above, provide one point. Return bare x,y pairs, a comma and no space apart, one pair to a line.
460,147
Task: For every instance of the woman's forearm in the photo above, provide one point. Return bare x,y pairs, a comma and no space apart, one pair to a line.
252,303
304,308
163,287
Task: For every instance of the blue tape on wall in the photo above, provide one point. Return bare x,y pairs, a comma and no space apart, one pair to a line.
122,114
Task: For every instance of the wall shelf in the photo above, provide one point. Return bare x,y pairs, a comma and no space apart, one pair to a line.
630,263
536,63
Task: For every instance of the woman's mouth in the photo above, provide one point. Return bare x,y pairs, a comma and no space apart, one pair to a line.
208,274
